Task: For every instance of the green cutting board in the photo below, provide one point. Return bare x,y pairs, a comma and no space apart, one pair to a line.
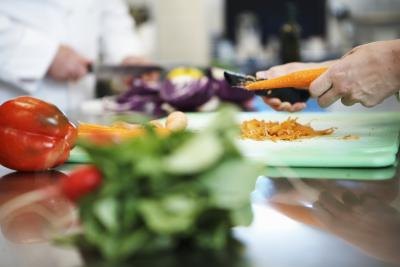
377,145
370,174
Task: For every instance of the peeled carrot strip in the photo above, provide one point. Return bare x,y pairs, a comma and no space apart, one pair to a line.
298,79
116,132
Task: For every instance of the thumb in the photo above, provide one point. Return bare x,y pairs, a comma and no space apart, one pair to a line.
321,85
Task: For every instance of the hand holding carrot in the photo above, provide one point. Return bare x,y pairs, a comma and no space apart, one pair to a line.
368,74
282,70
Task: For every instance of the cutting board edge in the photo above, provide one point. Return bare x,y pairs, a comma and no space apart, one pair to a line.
382,162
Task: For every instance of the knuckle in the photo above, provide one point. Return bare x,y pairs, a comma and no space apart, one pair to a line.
275,68
261,74
341,90
336,73
315,90
347,101
293,65
321,102
352,97
344,102
368,103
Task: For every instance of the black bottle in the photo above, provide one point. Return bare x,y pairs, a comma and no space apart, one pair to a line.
289,52
290,37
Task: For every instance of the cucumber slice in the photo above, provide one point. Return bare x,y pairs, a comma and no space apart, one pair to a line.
196,155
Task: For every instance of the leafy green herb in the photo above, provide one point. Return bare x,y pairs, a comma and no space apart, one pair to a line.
185,190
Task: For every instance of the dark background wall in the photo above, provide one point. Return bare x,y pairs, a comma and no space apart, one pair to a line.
272,14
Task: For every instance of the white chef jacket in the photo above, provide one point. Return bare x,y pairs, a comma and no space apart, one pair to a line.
32,30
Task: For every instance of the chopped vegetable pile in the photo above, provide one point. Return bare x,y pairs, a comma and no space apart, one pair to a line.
287,130
166,192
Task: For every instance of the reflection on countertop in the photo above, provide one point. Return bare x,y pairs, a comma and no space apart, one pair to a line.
298,222
364,214
28,226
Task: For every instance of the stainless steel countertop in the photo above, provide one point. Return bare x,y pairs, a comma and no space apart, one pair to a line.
297,222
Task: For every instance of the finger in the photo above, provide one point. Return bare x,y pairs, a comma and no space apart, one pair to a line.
285,106
368,202
82,60
350,52
272,73
298,107
261,75
86,61
347,101
71,74
370,199
350,199
276,72
328,98
331,204
272,101
321,85
81,71
276,108
78,72
74,77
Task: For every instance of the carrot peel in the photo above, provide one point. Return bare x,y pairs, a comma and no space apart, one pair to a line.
287,130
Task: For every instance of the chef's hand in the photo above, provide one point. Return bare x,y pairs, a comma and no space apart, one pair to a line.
281,70
68,65
367,74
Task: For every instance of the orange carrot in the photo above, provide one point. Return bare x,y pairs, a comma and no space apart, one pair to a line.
299,79
117,132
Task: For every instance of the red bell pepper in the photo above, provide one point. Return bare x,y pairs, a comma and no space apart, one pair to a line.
34,135
48,190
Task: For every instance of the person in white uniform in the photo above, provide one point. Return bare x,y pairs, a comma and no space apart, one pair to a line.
47,45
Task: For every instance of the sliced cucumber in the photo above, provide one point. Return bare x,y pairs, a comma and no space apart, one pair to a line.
196,155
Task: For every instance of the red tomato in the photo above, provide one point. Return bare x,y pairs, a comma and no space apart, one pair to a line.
80,182
34,135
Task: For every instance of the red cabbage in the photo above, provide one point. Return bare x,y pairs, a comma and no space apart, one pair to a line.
232,94
226,92
147,104
186,92
140,87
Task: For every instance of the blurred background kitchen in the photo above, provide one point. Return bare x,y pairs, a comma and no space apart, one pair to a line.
247,35
203,32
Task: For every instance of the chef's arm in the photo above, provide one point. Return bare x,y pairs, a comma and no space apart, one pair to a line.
118,38
26,53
